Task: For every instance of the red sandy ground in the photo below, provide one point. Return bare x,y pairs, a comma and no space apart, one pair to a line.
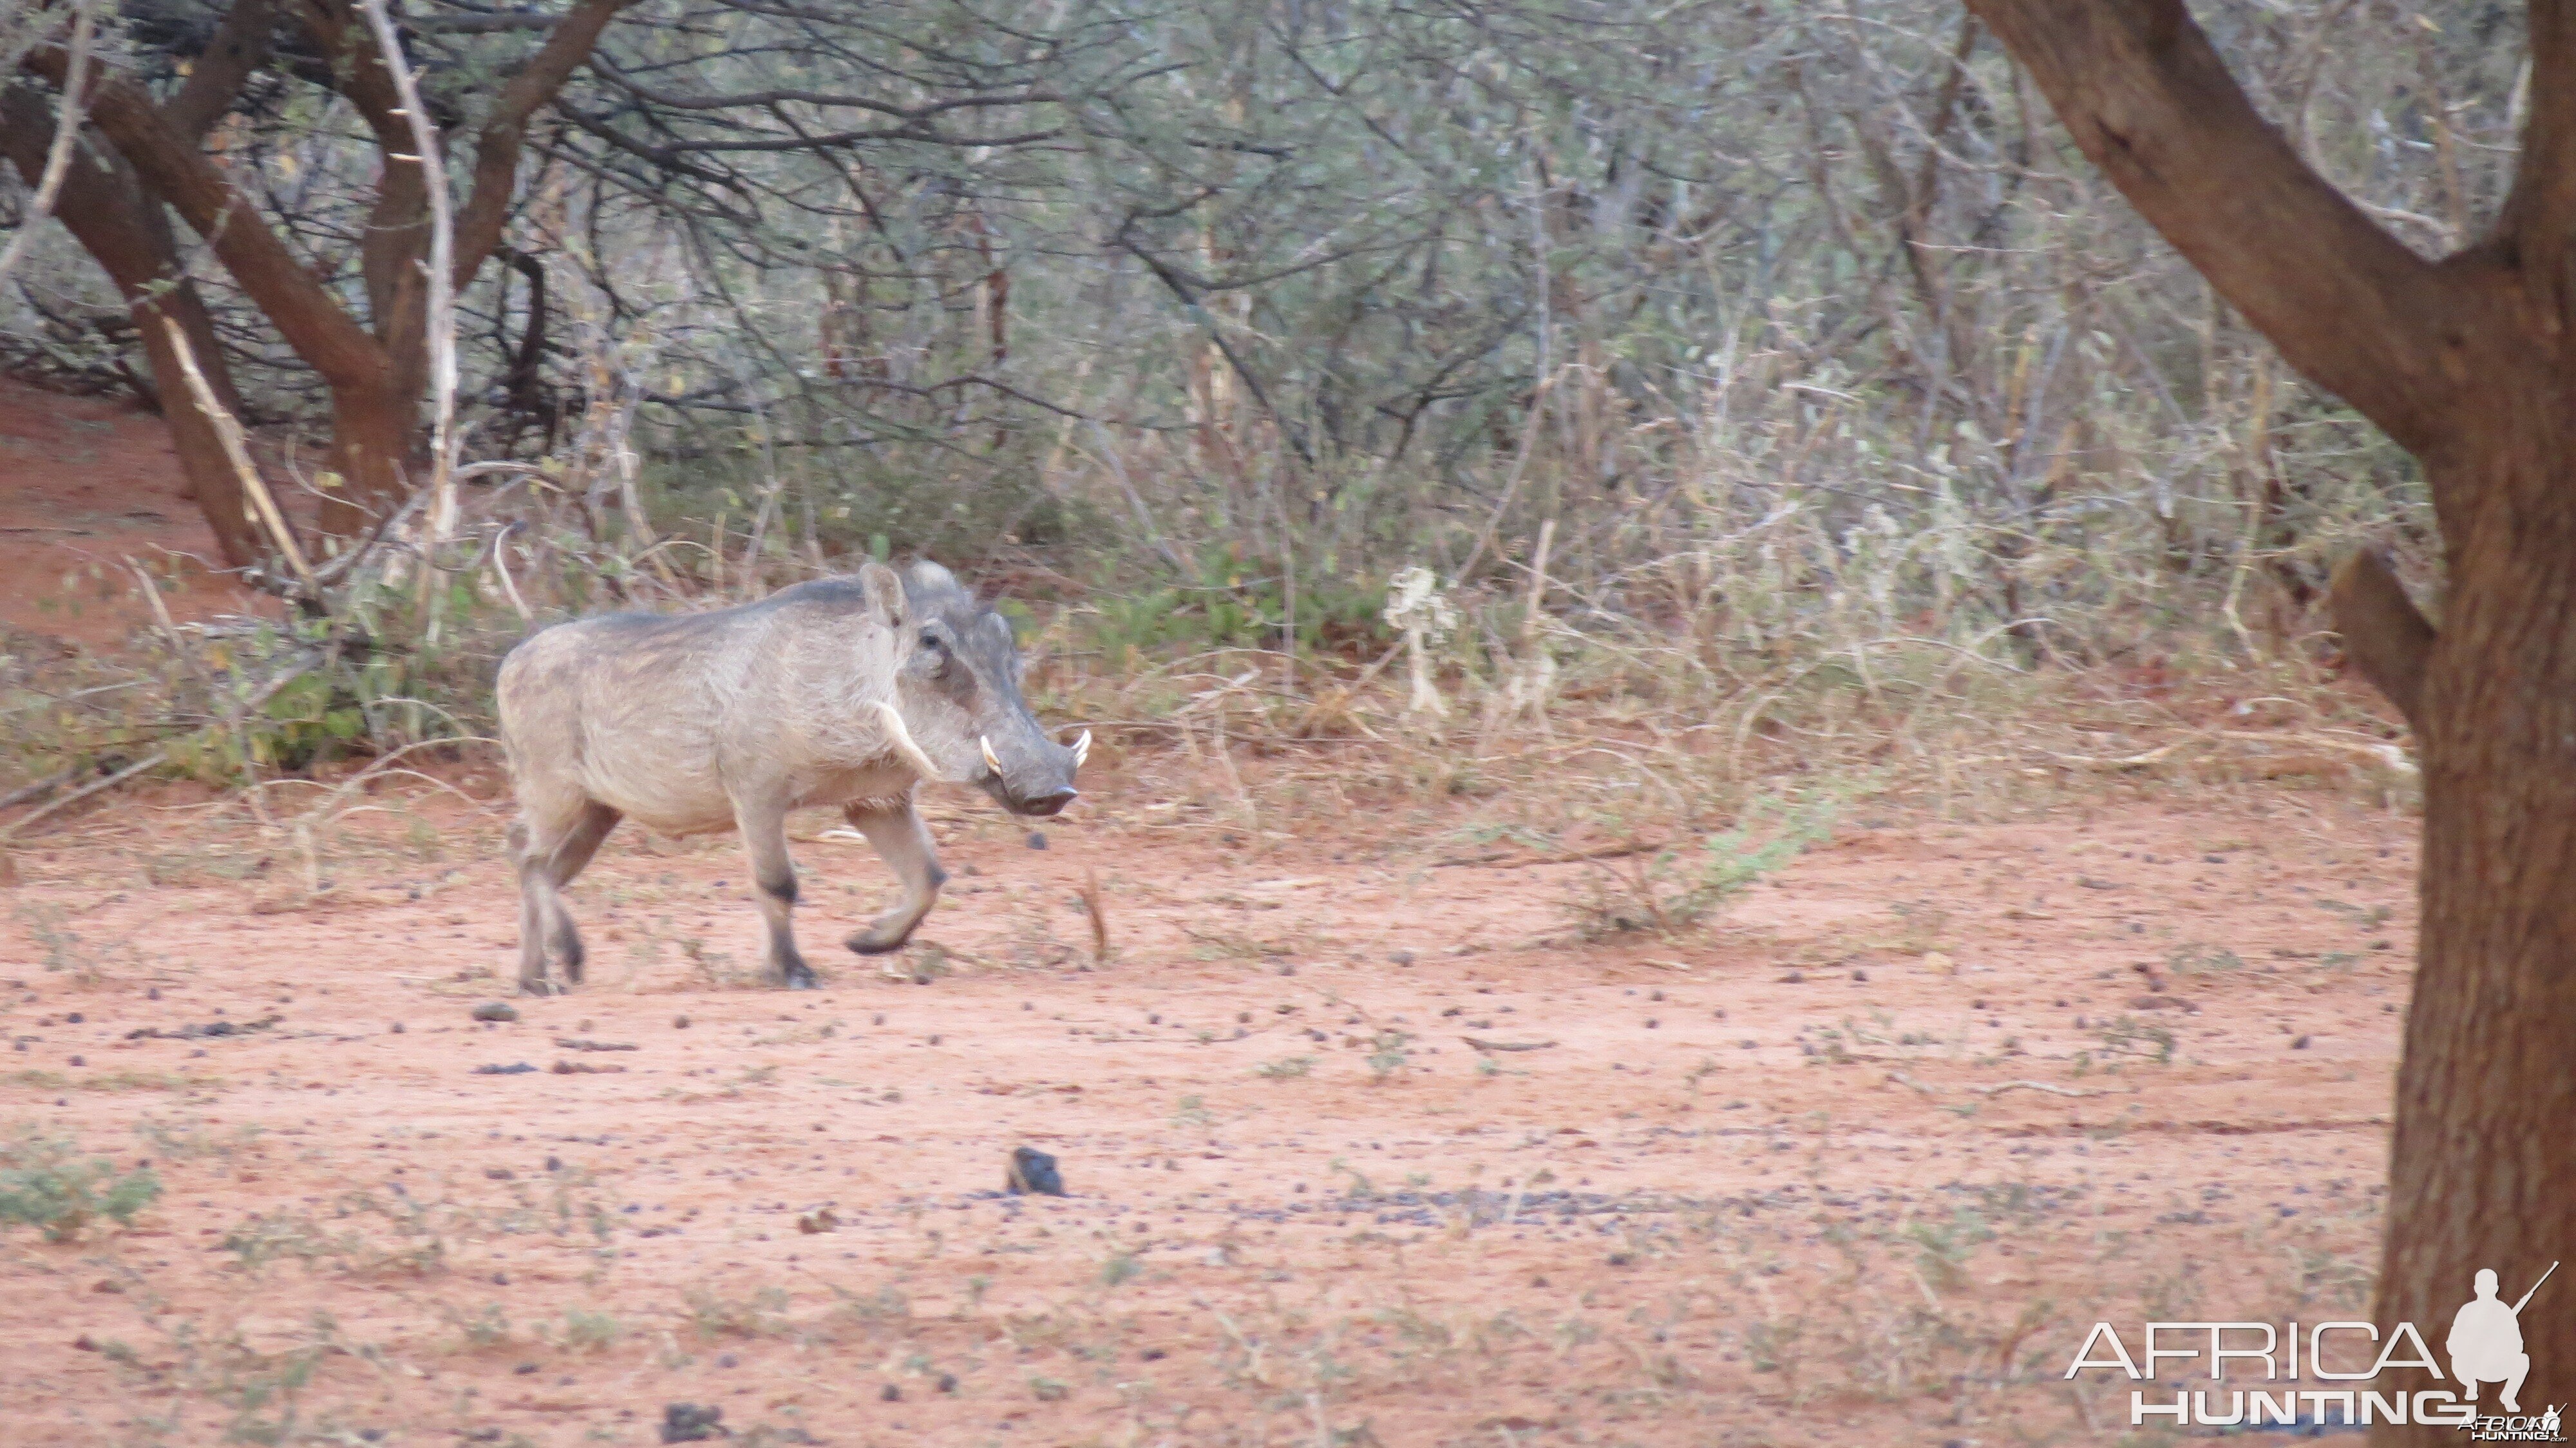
87,483
1772,1182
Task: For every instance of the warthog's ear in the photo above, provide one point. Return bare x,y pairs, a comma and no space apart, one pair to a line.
884,590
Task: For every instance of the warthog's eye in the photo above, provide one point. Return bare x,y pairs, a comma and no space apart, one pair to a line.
931,642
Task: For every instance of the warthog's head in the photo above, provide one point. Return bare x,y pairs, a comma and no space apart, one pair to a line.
956,711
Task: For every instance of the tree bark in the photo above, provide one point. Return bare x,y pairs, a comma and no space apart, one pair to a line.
2483,1166
2470,363
2383,634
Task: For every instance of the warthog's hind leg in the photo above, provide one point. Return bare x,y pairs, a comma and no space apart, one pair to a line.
904,842
533,915
551,853
764,838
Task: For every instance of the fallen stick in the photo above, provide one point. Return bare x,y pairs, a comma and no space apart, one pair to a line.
1513,860
1507,1045
2126,761
1099,919
58,156
40,788
2388,756
152,760
2034,1086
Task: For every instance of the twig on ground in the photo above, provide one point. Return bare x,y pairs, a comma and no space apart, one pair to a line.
1099,917
152,760
1505,859
2035,1086
40,788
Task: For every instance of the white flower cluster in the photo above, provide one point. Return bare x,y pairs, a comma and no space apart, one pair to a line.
1415,604
1417,608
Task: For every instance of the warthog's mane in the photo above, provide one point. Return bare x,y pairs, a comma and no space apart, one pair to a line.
929,591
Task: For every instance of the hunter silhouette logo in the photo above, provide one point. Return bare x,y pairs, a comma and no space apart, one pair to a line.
2486,1341
2299,1379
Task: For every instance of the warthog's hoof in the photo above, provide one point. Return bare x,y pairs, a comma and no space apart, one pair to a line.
873,942
543,988
800,976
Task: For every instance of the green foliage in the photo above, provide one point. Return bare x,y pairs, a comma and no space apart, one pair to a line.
585,1330
1679,888
1388,1053
486,1326
46,1183
1230,602
1942,1248
66,949
715,1315
2129,1036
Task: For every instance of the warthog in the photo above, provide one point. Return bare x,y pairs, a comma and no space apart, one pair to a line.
842,692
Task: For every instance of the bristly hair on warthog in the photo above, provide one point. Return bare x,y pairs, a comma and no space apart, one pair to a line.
841,692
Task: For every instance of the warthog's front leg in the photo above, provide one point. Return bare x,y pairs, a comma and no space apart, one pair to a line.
896,830
764,836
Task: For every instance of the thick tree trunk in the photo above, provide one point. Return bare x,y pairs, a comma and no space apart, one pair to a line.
2483,1171
376,447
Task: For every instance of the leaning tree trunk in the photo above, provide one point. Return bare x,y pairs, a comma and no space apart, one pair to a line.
106,210
2470,364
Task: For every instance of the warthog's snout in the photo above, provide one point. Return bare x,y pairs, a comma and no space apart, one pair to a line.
1042,782
1048,803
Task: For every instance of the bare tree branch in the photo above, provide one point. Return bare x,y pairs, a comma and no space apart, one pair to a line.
215,80
58,157
504,130
302,309
2151,102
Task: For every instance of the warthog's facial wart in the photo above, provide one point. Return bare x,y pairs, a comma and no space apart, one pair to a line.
957,714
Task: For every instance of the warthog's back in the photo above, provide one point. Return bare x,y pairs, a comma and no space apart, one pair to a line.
624,709
652,715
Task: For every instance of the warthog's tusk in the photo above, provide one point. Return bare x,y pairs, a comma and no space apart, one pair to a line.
992,761
901,738
1082,749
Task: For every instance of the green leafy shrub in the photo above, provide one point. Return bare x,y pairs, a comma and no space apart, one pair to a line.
46,1183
